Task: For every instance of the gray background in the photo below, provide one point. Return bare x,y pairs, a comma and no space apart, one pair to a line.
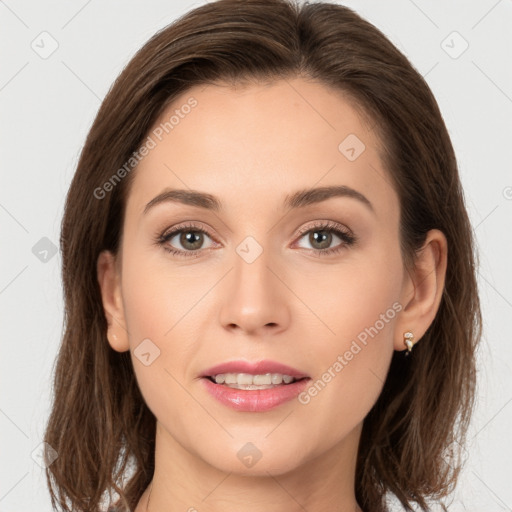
48,103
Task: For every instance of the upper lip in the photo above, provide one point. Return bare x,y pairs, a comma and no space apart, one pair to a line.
254,368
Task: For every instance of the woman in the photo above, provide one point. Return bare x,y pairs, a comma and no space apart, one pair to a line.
269,276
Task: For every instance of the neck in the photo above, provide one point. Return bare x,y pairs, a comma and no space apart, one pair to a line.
184,482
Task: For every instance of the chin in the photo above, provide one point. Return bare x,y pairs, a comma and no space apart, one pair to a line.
257,457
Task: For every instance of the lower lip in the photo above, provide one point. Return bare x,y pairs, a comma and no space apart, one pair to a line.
256,400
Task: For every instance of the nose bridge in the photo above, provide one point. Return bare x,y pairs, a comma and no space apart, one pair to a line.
252,277
254,298
253,251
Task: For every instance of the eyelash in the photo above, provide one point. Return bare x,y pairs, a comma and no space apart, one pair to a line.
347,238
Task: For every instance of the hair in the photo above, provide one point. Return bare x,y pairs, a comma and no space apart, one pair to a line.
99,424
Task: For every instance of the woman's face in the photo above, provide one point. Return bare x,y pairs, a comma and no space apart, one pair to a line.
266,280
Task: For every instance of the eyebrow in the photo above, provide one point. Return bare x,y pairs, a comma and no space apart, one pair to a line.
298,199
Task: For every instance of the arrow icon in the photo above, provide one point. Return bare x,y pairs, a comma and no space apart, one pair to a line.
247,252
454,45
44,44
146,352
249,455
351,147
44,250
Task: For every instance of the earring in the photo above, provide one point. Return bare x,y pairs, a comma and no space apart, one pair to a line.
408,341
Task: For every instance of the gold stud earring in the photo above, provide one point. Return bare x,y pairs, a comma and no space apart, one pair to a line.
408,341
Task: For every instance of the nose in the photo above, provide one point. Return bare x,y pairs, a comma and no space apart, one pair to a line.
255,297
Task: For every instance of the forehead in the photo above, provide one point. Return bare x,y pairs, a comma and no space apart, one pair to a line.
251,144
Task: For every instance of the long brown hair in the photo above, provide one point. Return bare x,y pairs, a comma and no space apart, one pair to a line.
99,425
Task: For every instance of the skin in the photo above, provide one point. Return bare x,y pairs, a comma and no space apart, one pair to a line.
250,146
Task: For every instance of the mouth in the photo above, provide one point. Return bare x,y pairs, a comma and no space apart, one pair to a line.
254,387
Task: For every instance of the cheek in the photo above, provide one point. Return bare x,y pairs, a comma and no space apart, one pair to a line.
357,308
160,296
161,311
347,298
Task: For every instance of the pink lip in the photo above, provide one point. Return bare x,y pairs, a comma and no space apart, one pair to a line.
257,400
257,368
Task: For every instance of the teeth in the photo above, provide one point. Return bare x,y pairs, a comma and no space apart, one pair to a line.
247,379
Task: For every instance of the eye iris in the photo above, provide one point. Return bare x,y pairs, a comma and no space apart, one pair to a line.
314,237
192,237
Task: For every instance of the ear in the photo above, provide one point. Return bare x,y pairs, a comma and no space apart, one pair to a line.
423,288
109,279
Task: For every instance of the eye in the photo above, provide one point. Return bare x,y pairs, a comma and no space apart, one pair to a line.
322,235
190,236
